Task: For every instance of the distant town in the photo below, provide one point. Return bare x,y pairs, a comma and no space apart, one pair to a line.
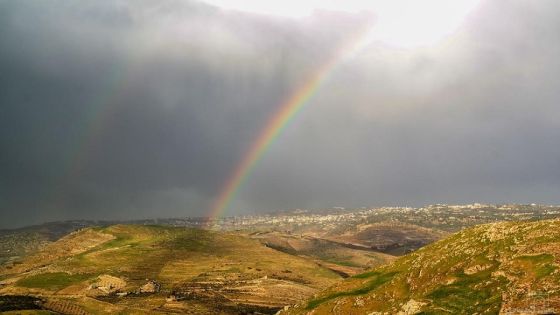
440,216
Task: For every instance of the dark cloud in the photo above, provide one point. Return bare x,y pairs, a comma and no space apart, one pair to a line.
129,109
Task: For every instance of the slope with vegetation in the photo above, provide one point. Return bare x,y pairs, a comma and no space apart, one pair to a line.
507,267
151,269
16,244
394,238
336,256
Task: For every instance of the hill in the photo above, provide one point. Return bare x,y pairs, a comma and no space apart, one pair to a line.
507,268
18,243
151,269
342,258
392,230
392,238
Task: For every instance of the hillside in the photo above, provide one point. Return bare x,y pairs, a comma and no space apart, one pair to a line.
342,258
151,269
18,243
496,268
392,238
392,230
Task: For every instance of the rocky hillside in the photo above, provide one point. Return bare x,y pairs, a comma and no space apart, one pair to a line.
501,268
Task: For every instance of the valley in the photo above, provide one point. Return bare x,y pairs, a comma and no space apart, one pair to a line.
385,259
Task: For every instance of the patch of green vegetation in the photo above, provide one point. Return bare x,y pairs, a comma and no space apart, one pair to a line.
378,279
541,264
537,259
544,270
323,273
545,239
52,281
366,275
193,240
467,296
233,270
503,246
340,260
121,239
343,263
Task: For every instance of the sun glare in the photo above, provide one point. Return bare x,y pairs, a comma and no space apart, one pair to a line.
405,23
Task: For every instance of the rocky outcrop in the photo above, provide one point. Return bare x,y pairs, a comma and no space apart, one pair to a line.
411,307
106,285
150,287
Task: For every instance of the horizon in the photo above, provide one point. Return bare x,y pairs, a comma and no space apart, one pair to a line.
278,212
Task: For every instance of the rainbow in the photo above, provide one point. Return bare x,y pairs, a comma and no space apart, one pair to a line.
278,122
94,123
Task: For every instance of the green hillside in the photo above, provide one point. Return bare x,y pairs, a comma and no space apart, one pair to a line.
489,269
151,269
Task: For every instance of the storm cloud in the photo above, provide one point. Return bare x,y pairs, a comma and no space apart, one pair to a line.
131,109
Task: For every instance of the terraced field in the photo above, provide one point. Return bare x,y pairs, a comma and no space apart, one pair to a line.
151,269
489,269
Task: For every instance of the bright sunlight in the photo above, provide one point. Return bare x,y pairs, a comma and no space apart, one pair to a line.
403,23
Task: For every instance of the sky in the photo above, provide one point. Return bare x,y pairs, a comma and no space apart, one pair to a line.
125,109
